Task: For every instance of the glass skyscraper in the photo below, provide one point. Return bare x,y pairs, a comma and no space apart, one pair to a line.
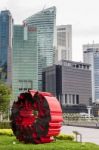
44,21
25,59
91,56
6,30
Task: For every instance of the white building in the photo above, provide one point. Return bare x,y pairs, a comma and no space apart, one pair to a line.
64,43
91,56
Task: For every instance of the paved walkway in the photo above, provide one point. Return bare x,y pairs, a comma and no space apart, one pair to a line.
88,134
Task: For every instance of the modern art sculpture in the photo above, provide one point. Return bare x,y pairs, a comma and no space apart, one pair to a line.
36,117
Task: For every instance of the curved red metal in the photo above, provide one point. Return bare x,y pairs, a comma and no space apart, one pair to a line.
36,117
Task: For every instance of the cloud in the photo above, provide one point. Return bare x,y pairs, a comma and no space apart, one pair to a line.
82,14
21,9
91,31
3,4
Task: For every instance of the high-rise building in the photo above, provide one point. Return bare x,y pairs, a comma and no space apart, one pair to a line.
6,31
44,21
64,43
91,56
25,59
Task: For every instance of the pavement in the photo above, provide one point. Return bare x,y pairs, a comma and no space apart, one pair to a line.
88,134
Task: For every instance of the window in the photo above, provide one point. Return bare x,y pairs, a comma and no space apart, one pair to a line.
65,98
77,99
70,102
73,99
25,85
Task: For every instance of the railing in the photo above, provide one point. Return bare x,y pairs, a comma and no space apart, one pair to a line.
77,120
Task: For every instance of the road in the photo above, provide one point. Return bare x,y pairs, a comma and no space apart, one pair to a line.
88,134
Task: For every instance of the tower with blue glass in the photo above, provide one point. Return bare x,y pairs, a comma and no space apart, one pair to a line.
6,30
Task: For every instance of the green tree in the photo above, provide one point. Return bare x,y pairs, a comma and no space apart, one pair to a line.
5,95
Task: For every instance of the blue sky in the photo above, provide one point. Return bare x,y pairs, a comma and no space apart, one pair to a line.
82,14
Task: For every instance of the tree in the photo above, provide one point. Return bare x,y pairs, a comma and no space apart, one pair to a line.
5,95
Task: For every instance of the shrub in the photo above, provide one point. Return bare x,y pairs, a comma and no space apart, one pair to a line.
8,132
5,125
64,137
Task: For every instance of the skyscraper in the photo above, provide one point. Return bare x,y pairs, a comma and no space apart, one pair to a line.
25,59
44,21
91,56
6,31
64,43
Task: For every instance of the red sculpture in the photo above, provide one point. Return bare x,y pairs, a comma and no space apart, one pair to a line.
36,117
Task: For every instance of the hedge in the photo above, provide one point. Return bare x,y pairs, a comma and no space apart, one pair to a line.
64,137
7,132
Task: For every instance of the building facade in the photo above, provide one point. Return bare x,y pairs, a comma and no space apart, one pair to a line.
69,81
64,43
91,56
44,21
25,59
6,33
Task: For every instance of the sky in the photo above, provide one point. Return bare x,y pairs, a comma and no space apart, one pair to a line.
81,14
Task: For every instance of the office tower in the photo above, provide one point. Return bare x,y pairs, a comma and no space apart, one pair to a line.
70,81
44,21
91,56
25,59
6,30
64,43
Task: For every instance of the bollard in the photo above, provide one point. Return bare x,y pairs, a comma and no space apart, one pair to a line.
78,134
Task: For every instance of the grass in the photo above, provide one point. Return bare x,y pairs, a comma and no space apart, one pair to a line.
10,143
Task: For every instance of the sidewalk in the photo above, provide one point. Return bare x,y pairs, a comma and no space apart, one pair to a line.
88,134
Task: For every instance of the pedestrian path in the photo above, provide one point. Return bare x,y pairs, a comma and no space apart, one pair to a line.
88,134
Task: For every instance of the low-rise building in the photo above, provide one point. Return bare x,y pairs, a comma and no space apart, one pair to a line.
69,81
